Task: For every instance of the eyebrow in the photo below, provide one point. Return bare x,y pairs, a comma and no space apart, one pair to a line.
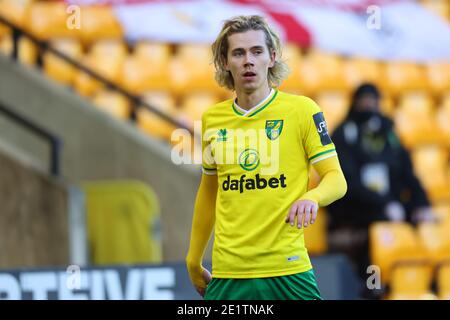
252,48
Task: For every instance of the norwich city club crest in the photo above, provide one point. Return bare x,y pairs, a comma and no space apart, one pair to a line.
274,128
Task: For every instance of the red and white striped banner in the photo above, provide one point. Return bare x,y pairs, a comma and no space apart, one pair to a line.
381,29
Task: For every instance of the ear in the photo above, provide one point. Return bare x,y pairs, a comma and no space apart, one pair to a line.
272,59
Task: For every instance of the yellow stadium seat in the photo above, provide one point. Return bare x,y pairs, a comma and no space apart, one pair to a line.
416,121
310,77
335,106
413,296
109,47
152,123
27,49
430,164
194,104
163,100
415,132
417,103
106,58
360,70
316,234
14,11
99,22
446,101
123,223
148,68
113,103
438,75
84,84
435,237
332,66
411,279
4,31
415,129
197,52
192,69
49,20
443,281
320,72
55,67
153,51
442,213
292,55
443,119
404,76
392,243
6,45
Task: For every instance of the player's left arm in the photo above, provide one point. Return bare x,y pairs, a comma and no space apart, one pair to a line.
331,188
321,153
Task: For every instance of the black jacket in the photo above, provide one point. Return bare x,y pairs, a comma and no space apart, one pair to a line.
367,141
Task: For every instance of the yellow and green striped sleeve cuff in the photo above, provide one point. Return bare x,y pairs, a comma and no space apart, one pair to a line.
323,155
208,171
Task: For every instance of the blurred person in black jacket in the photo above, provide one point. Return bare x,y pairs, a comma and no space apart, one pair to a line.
381,182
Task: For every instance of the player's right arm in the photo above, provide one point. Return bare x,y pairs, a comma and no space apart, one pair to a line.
202,226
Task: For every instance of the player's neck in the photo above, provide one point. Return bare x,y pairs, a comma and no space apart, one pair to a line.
247,100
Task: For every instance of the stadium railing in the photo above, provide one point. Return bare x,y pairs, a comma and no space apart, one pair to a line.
44,46
54,142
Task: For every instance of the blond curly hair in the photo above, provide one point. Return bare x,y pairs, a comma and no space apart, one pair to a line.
238,24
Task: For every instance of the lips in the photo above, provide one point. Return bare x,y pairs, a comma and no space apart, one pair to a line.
249,76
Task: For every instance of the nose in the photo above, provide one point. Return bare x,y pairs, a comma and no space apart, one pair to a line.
248,60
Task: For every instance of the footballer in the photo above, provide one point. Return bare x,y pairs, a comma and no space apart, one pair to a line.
259,203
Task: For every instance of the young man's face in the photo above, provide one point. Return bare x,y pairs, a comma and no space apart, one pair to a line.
367,102
249,60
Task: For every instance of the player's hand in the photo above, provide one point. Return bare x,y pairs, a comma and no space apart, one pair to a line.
305,211
200,277
206,275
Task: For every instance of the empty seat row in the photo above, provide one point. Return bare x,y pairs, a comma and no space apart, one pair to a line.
396,243
414,282
154,66
55,19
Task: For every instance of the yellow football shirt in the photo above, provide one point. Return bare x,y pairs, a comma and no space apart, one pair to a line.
261,158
